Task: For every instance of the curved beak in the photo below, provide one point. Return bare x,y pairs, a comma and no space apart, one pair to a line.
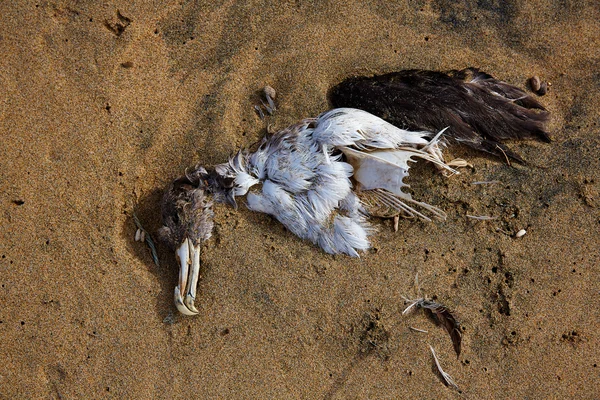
188,255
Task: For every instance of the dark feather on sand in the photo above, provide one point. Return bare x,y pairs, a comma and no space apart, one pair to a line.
443,317
447,320
148,240
480,110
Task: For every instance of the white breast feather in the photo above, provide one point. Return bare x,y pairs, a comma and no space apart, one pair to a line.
307,186
352,127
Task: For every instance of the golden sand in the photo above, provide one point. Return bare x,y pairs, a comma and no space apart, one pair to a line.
102,103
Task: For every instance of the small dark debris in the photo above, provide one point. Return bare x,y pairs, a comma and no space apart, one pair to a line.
119,26
543,89
572,337
503,305
374,337
511,339
19,202
127,64
169,319
537,86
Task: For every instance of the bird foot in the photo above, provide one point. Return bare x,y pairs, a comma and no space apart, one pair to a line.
189,272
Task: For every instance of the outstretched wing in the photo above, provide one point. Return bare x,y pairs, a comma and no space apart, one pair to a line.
379,153
480,110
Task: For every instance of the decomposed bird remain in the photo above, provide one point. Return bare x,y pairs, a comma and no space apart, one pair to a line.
305,171
187,222
321,178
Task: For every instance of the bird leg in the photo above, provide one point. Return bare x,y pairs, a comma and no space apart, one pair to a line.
194,276
188,255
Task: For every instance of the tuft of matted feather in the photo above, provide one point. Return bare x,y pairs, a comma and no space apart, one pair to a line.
442,316
446,378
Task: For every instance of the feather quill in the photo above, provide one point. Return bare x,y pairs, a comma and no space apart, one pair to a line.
446,378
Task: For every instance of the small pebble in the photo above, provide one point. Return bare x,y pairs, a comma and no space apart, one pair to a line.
543,89
535,83
521,233
270,92
138,235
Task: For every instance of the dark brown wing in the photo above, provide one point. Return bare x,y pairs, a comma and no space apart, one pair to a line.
480,110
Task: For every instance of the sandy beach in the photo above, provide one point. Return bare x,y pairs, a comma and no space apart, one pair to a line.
102,104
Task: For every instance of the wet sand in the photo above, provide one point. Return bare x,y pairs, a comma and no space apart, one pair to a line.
102,104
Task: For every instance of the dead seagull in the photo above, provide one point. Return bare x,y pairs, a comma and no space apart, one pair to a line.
479,110
323,177
305,171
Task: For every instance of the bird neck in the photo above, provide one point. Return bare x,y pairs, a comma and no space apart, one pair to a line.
230,179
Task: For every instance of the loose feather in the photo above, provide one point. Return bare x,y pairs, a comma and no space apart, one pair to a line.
443,317
446,378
